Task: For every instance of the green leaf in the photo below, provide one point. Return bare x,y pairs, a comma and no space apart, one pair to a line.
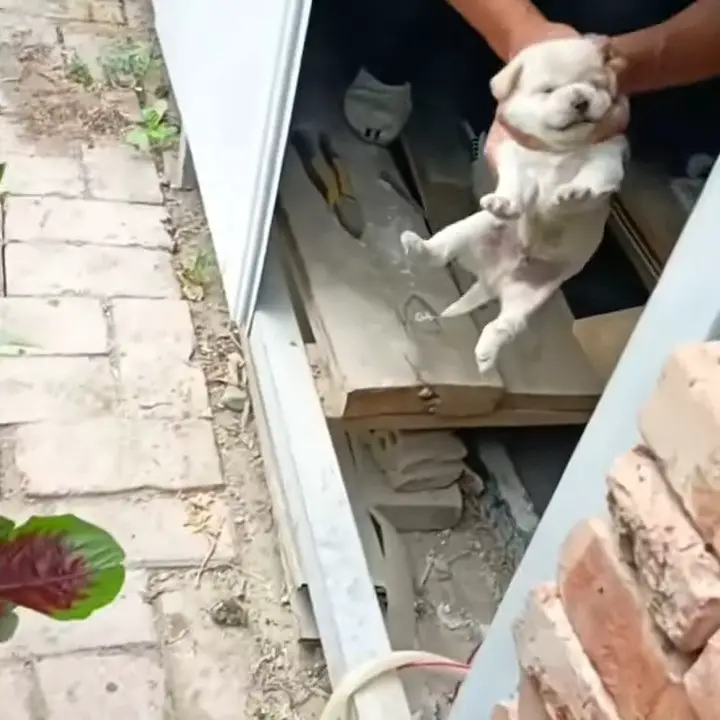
60,566
160,107
8,622
6,527
138,138
3,167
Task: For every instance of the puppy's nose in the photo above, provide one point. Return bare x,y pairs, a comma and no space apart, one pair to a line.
581,105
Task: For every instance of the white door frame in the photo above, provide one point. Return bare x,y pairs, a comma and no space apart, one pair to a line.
234,68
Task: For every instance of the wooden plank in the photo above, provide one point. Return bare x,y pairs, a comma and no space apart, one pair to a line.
603,337
371,311
545,368
501,416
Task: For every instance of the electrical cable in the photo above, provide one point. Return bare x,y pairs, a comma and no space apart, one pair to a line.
338,706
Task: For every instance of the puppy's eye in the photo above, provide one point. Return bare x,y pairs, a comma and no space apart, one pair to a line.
547,89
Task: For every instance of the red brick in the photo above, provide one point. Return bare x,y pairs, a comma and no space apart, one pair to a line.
550,653
682,578
607,612
702,681
505,711
681,425
530,704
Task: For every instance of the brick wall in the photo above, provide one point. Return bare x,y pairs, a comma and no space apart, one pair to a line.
630,629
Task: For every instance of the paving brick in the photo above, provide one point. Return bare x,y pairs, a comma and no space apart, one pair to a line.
153,386
126,686
701,681
551,654
37,175
54,326
91,10
681,576
164,326
127,620
154,532
681,425
93,45
126,455
607,612
91,221
207,676
54,388
62,269
19,700
14,138
119,172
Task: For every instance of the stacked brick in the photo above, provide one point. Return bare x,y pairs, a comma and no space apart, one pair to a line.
630,629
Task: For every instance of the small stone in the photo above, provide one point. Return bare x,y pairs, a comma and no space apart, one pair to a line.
51,268
99,222
233,398
76,686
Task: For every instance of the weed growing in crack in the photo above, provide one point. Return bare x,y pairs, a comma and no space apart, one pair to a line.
154,132
79,71
126,64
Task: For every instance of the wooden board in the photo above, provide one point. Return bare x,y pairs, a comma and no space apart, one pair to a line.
365,302
647,219
545,369
603,337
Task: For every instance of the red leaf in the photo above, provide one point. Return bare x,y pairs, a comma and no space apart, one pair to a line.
26,564
60,566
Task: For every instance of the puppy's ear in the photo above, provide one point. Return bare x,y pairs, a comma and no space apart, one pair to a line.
504,82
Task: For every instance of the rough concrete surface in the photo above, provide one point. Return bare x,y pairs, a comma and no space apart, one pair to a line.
111,409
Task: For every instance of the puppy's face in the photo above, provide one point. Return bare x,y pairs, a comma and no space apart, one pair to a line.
557,91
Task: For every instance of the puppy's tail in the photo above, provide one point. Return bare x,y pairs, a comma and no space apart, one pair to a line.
475,297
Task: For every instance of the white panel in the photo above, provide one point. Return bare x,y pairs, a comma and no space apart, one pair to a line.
233,65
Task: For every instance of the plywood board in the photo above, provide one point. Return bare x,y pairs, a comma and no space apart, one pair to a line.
373,314
545,368
501,416
604,337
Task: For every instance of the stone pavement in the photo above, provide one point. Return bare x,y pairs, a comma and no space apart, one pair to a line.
105,415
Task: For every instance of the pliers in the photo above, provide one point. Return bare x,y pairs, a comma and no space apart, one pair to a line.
327,173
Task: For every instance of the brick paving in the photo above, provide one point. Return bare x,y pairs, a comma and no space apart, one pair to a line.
105,415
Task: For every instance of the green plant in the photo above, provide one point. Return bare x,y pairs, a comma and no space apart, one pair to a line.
79,71
154,132
126,63
60,566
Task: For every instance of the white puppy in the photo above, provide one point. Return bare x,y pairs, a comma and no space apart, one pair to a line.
547,215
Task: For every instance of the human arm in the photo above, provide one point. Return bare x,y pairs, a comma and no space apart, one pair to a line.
501,22
680,51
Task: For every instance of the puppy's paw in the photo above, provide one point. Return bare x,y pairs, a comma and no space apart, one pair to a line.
501,207
486,355
417,248
577,197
